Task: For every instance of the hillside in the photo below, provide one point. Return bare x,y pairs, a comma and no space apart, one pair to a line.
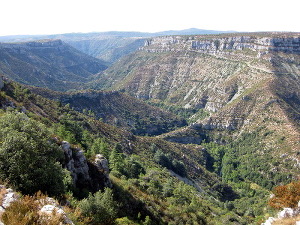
108,46
118,109
157,179
248,84
47,63
239,93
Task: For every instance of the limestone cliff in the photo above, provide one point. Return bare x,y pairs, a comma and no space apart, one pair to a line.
220,44
247,82
85,175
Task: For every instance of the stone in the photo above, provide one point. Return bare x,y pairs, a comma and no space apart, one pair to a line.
76,163
102,163
287,212
8,198
48,210
269,221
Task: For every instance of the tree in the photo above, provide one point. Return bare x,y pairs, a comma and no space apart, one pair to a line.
28,157
100,207
179,168
116,160
162,159
99,146
133,168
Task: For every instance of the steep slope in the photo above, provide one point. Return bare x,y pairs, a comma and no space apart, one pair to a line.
107,46
118,109
144,193
249,83
109,49
47,63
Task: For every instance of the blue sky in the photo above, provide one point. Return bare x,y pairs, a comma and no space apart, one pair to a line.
65,16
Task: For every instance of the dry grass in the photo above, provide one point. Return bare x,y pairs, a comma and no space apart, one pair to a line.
26,211
287,221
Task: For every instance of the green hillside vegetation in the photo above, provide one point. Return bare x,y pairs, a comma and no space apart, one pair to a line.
247,99
118,109
145,171
217,132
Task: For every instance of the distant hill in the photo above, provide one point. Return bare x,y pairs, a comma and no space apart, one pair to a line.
47,63
108,46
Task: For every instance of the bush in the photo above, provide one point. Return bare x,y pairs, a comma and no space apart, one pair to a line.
28,157
100,207
286,196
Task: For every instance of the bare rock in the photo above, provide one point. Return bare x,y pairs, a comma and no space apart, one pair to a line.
89,175
54,209
9,197
269,221
102,163
288,212
76,163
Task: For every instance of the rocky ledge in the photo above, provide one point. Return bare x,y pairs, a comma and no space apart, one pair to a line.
220,44
89,175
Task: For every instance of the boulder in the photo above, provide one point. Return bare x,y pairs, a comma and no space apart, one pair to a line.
9,197
269,221
102,163
288,212
48,210
76,163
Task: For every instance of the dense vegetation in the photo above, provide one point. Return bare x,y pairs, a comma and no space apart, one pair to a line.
145,190
242,142
28,157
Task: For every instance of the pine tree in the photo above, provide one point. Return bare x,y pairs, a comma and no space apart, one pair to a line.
116,160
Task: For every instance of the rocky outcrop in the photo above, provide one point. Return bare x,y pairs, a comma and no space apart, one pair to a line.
91,176
7,196
222,123
102,164
76,163
219,44
284,213
49,207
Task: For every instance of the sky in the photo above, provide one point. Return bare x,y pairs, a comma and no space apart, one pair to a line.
27,17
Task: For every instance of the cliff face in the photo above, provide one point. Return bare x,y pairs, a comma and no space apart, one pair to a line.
211,44
91,176
246,82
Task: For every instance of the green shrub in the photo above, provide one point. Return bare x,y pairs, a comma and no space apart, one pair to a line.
100,207
28,157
